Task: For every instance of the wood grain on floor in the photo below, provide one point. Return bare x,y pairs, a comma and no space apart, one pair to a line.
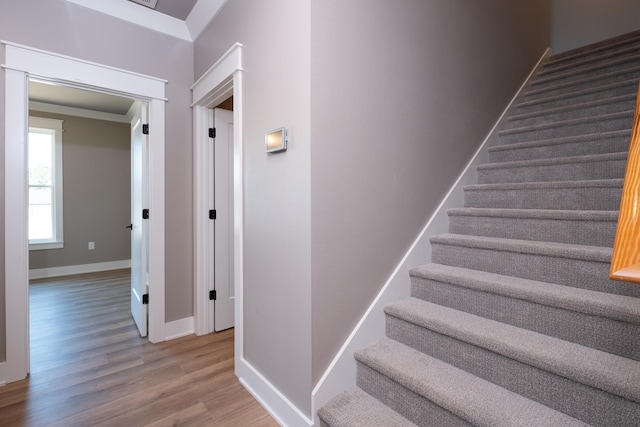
89,366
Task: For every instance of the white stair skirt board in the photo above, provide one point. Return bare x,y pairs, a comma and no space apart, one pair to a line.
68,270
178,328
341,373
3,375
272,400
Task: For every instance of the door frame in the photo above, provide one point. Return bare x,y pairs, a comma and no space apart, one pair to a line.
222,80
22,62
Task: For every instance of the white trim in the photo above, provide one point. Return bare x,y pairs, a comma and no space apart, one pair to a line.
178,328
3,373
218,74
16,251
156,197
77,112
221,80
201,15
139,15
46,246
341,373
85,74
272,400
68,270
22,62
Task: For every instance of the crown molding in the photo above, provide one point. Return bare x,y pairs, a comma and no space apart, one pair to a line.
201,15
140,15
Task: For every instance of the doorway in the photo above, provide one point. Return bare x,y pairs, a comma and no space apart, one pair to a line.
23,63
103,156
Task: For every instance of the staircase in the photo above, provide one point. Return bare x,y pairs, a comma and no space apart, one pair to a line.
515,322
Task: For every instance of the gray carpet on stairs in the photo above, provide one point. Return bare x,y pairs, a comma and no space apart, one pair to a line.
515,321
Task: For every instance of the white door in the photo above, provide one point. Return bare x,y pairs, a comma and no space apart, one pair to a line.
223,283
139,226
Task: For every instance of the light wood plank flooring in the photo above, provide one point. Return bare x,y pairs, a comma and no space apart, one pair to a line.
89,366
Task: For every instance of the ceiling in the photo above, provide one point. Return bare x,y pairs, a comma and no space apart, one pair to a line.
77,98
184,19
179,9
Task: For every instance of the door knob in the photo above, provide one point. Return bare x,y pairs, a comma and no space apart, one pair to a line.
130,226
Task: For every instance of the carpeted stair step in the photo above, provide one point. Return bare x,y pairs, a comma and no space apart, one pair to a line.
596,49
604,389
571,127
555,66
553,88
430,392
594,319
614,64
580,266
579,96
592,228
577,168
355,408
590,108
580,145
600,195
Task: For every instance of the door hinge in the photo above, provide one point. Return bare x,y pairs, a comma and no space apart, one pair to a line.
212,132
212,295
145,213
145,299
212,214
145,129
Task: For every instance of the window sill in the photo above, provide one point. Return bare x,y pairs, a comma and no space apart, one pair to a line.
45,245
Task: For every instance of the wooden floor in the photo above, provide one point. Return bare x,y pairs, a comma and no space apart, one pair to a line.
89,366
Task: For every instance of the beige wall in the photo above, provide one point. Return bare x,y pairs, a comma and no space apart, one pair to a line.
66,28
97,193
575,23
275,35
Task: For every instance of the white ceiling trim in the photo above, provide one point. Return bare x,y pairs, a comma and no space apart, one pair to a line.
199,17
139,15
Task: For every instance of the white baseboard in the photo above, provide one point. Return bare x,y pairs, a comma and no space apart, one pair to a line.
178,328
3,373
272,400
41,273
341,373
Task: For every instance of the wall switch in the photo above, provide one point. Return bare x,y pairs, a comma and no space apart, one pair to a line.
92,245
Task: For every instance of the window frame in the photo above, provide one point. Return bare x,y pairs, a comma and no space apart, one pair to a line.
54,126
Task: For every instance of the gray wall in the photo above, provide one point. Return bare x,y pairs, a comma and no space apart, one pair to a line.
397,95
69,29
97,193
277,327
575,23
403,93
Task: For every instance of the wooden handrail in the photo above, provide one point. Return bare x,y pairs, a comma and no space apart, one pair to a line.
625,263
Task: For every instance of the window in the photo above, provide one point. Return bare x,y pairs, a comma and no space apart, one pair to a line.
45,183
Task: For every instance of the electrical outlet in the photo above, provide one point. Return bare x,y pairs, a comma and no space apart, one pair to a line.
92,245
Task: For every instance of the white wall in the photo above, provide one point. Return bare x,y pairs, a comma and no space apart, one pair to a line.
575,23
62,27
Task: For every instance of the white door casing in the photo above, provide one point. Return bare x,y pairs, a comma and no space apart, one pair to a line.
222,80
139,236
222,227
20,63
